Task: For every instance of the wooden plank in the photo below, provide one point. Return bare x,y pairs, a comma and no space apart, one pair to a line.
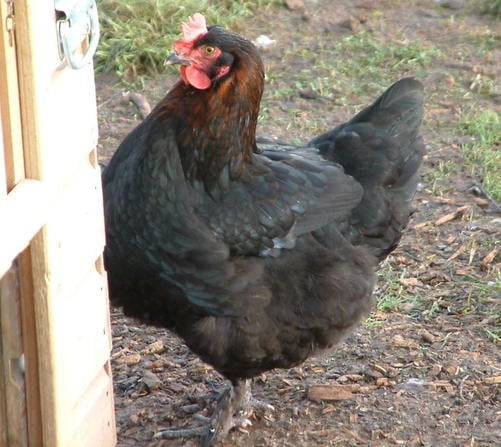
78,306
73,135
31,373
44,335
83,317
58,105
75,226
89,430
10,113
3,174
3,402
33,77
13,359
22,214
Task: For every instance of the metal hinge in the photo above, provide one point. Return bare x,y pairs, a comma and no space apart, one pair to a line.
77,31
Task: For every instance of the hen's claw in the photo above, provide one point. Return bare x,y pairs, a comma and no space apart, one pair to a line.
256,404
222,420
235,407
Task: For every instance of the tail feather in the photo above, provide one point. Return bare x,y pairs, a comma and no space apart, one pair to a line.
382,149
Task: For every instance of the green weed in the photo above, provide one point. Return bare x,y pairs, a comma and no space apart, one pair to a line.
494,335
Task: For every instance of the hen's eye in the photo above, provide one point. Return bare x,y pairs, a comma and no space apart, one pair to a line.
209,49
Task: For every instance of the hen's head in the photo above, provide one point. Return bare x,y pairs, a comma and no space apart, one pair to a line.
210,54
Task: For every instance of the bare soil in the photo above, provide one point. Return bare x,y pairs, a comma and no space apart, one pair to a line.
425,372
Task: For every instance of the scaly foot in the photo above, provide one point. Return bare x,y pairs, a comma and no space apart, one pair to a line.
234,408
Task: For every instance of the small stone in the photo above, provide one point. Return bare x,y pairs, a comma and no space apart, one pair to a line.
157,364
413,384
156,347
427,336
131,359
294,5
383,381
263,42
151,380
453,370
435,370
134,419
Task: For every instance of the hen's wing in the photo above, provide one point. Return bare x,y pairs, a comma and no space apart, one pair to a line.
282,195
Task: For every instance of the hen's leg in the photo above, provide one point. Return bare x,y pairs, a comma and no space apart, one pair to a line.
234,408
223,418
249,404
225,414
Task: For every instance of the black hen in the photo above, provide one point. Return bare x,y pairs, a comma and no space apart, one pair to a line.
256,257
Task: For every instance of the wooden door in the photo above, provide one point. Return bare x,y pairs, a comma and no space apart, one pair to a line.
55,376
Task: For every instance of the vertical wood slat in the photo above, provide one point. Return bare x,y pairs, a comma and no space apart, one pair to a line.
10,113
13,359
3,392
3,403
3,172
31,374
3,387
31,73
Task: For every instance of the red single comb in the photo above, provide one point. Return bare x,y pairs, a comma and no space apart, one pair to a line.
194,28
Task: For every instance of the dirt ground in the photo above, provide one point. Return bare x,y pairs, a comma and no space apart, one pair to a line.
424,369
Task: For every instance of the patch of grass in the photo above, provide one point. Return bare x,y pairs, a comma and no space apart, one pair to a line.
434,309
439,175
491,7
484,39
446,168
393,293
283,92
481,295
477,294
137,35
390,301
391,296
373,321
364,57
484,86
333,69
483,155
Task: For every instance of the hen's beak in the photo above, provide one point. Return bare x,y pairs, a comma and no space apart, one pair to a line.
176,59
